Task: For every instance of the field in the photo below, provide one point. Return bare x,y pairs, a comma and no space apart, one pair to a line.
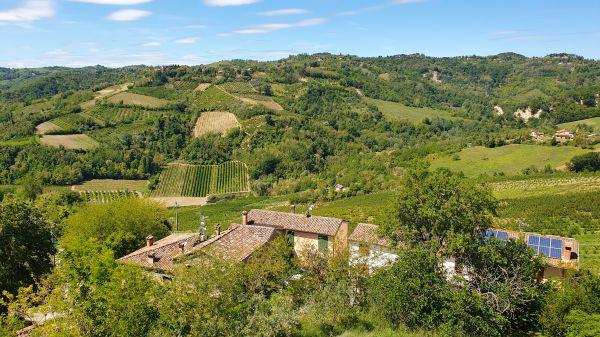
117,115
100,197
399,112
202,180
509,159
202,86
215,98
238,87
215,122
170,91
104,185
256,99
572,126
82,142
521,188
46,127
105,93
135,99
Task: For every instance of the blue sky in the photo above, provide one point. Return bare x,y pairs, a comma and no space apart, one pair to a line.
123,32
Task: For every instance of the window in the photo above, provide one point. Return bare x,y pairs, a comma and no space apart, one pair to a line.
323,243
363,250
290,237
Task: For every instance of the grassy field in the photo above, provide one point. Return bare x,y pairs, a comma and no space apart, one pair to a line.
509,159
105,93
202,180
572,126
215,98
561,185
19,141
128,98
102,185
238,87
399,112
215,122
82,142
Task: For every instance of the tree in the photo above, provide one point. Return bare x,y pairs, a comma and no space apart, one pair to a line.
30,188
27,247
121,225
439,207
412,292
505,275
586,162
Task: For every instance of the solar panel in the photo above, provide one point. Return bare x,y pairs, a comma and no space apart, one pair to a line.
533,240
544,251
556,243
546,246
502,236
556,253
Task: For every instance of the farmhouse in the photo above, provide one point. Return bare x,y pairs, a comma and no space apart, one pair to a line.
307,232
563,134
559,253
238,243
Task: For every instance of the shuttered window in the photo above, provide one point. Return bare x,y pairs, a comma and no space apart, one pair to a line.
290,237
323,243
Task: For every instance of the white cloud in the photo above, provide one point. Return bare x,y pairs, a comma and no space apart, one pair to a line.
128,15
30,11
288,11
188,40
151,44
272,27
380,6
223,3
57,52
114,2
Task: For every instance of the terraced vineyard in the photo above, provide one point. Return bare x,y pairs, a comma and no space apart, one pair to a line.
120,115
101,197
202,180
238,87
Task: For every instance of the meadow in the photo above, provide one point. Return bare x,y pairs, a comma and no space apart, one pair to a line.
128,98
509,159
215,122
399,112
82,142
572,126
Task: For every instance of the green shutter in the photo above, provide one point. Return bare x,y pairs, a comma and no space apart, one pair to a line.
290,237
323,243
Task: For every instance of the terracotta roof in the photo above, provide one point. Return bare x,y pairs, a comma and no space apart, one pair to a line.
295,222
367,233
163,251
237,243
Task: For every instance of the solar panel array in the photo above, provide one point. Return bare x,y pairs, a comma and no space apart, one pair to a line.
500,235
546,246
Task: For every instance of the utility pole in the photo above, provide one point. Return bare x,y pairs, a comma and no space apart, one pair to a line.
176,216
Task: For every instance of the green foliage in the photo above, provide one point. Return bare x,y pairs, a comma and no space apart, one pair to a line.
439,207
27,245
121,225
586,162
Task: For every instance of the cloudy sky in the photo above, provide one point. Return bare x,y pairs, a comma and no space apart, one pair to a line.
123,32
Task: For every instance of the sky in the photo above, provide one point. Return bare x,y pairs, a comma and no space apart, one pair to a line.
35,33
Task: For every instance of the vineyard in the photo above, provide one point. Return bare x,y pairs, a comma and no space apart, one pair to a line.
540,186
215,98
202,180
100,197
238,87
116,115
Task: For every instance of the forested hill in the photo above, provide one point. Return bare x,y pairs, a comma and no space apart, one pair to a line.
297,122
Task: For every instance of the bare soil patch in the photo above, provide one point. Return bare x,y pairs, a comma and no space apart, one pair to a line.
136,99
202,86
215,122
385,76
182,201
105,93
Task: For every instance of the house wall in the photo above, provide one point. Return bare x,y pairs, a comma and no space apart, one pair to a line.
379,256
305,242
341,238
553,273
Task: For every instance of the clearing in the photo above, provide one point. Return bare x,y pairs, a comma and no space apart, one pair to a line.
46,127
400,112
215,122
105,93
572,126
128,98
111,185
202,86
82,142
265,101
509,159
181,201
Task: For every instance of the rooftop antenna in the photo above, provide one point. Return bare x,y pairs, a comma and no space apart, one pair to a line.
309,210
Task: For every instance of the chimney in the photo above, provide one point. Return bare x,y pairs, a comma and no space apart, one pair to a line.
244,218
149,240
293,207
218,229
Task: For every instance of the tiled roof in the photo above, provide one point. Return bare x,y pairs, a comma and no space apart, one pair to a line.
295,222
163,251
367,233
238,243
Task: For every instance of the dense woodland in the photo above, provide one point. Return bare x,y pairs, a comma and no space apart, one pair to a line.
308,123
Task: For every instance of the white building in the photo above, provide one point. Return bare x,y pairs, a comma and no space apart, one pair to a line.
369,250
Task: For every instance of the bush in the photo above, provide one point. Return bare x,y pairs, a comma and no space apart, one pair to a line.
586,162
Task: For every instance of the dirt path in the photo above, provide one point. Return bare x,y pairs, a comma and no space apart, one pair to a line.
183,201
